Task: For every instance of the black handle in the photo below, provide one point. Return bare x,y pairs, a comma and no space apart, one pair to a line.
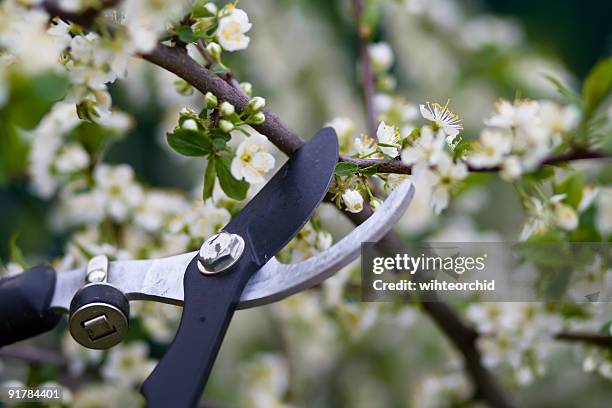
24,304
210,300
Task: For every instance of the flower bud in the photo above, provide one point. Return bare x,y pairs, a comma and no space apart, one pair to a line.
257,119
227,109
256,104
247,88
226,125
375,203
214,50
211,100
190,124
211,8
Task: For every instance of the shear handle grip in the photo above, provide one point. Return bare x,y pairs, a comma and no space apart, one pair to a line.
180,376
24,304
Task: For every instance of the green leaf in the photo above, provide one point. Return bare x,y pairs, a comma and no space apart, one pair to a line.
572,187
189,142
235,189
370,170
209,178
32,97
569,94
13,152
15,254
185,34
346,169
371,16
597,86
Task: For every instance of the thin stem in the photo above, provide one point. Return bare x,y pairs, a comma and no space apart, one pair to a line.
367,76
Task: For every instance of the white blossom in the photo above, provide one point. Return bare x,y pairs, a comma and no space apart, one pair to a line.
494,145
72,158
426,150
352,200
128,364
381,56
118,190
566,217
232,29
252,160
442,118
388,135
344,128
604,211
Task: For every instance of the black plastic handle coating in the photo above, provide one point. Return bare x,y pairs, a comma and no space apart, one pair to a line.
210,301
24,304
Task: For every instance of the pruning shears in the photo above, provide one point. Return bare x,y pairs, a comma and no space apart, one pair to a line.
234,269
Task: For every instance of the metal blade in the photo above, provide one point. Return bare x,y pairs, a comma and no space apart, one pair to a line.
162,279
269,221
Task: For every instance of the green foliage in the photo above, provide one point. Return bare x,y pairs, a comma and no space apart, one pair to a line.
13,151
209,178
30,99
345,169
234,188
597,87
189,142
185,34
370,16
572,187
15,253
570,95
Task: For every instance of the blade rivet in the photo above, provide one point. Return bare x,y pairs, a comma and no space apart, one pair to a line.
219,252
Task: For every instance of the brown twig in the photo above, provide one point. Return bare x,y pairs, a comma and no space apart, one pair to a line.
83,18
34,355
594,339
367,76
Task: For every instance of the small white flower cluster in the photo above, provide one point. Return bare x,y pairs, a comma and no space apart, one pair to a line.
128,364
443,390
220,29
515,335
48,148
198,223
432,165
146,20
521,134
252,160
604,212
425,149
265,380
599,361
24,35
310,241
546,213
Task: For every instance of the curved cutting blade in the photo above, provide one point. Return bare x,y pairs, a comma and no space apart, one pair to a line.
162,279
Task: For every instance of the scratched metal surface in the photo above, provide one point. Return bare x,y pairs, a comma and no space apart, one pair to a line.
162,279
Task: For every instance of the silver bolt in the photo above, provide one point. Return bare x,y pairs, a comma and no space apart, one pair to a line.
97,269
220,252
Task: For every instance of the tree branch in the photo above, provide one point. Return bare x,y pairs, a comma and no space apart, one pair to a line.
367,77
83,18
594,339
178,62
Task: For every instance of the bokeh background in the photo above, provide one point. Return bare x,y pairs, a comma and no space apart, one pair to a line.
302,59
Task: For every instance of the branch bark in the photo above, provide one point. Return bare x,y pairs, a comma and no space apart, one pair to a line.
83,18
367,76
594,339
